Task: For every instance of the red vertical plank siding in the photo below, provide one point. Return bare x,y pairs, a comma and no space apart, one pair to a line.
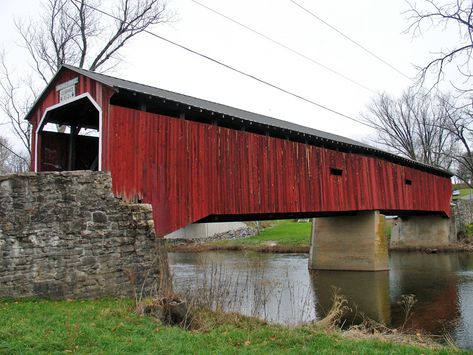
189,170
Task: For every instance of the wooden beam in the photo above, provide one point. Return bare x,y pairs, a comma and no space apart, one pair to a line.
72,147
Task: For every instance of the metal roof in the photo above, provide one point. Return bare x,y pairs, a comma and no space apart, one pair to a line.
212,106
118,83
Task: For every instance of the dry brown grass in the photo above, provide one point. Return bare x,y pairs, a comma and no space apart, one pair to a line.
392,335
210,319
336,313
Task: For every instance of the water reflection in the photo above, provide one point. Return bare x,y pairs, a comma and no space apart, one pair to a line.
272,287
464,329
367,293
279,288
433,279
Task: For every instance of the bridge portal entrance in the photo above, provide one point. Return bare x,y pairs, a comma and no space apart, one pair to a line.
68,137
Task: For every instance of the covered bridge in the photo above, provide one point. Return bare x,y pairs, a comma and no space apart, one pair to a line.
196,160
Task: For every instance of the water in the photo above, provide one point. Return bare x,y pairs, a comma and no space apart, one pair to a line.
280,289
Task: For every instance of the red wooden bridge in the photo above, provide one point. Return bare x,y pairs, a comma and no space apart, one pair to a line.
195,160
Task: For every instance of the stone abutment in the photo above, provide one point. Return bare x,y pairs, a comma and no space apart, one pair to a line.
65,235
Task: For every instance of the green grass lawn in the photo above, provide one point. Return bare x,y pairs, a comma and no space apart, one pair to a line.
464,191
112,327
388,227
284,236
284,233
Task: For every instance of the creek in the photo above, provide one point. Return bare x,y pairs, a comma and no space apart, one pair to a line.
280,289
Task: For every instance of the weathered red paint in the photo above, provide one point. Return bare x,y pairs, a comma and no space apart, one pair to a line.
189,170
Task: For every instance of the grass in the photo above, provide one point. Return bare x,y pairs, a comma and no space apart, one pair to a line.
464,191
388,227
286,232
284,236
112,327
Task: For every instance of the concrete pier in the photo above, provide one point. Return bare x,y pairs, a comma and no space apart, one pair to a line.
431,231
355,242
205,230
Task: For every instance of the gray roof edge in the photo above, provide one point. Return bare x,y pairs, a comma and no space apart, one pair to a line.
232,112
213,106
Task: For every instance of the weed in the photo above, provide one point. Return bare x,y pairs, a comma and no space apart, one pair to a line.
336,313
407,302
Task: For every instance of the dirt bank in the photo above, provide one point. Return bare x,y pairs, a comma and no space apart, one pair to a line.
264,248
195,247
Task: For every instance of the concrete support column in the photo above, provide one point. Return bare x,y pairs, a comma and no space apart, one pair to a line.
355,242
205,230
429,231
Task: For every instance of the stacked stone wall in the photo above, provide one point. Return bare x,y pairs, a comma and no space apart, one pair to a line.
65,235
463,212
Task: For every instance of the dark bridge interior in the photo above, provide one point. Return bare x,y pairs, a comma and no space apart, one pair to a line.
73,148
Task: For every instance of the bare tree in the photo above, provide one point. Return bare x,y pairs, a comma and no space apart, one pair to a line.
76,32
465,169
4,155
79,32
10,162
459,124
413,125
16,96
434,13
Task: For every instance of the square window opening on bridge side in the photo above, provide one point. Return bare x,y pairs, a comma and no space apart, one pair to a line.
336,172
408,182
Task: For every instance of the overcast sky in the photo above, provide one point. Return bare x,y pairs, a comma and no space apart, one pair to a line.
377,25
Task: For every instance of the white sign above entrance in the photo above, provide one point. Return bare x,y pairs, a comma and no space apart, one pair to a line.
67,90
67,93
